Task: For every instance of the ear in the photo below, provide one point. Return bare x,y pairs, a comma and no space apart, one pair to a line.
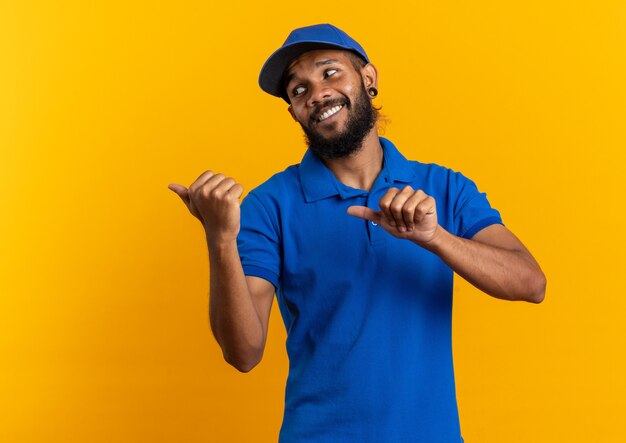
370,75
290,109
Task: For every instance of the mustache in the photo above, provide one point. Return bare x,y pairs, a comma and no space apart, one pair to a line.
327,104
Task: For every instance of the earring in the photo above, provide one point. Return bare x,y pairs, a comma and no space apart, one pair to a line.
373,92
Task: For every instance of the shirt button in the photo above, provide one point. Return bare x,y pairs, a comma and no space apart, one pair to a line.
374,224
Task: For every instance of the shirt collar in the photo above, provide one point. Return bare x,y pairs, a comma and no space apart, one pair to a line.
398,167
318,181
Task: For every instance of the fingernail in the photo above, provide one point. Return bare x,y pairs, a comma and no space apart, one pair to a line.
402,228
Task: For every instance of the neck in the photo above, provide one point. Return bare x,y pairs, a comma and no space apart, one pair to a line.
360,169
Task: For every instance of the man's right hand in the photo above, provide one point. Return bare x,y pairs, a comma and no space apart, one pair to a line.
239,305
214,200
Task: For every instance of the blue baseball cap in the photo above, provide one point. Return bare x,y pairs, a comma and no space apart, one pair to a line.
301,40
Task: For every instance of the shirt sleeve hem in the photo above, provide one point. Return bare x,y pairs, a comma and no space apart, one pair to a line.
481,224
257,271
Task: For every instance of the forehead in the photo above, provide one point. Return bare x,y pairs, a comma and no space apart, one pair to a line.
310,60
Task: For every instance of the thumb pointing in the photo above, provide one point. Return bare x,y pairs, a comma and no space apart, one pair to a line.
180,190
365,213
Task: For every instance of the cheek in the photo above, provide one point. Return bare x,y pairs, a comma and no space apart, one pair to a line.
352,90
300,116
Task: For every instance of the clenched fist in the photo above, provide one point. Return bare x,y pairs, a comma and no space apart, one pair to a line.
403,213
214,200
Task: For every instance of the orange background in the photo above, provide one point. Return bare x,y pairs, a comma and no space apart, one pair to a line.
104,333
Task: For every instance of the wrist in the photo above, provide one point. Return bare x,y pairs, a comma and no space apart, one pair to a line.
434,243
219,244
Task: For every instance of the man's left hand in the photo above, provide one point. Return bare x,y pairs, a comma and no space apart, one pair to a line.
405,214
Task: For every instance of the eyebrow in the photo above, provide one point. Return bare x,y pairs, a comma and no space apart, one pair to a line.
326,62
329,61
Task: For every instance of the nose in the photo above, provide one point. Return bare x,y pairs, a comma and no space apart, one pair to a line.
318,92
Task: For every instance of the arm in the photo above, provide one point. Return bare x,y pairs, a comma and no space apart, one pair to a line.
494,260
239,306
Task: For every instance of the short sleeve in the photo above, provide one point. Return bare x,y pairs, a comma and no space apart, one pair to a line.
258,241
472,211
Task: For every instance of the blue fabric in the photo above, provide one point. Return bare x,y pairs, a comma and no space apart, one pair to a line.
368,316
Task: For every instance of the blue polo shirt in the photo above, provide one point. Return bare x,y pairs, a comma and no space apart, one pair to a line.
368,316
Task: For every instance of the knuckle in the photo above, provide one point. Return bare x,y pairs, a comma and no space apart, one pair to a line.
216,193
204,192
390,194
397,207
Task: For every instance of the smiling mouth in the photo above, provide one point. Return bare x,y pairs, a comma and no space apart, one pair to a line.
332,111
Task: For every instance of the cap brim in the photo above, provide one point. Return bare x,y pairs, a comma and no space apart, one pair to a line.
271,76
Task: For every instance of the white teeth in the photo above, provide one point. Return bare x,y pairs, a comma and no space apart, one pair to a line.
330,112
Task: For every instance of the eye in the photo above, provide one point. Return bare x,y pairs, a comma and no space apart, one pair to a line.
329,72
298,90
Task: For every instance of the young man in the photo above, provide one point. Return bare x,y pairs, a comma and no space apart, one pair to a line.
360,245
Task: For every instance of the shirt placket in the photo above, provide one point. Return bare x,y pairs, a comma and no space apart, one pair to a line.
376,233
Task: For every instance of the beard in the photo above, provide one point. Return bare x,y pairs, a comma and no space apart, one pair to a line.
349,141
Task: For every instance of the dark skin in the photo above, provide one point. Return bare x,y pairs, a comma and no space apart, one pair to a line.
494,260
323,75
